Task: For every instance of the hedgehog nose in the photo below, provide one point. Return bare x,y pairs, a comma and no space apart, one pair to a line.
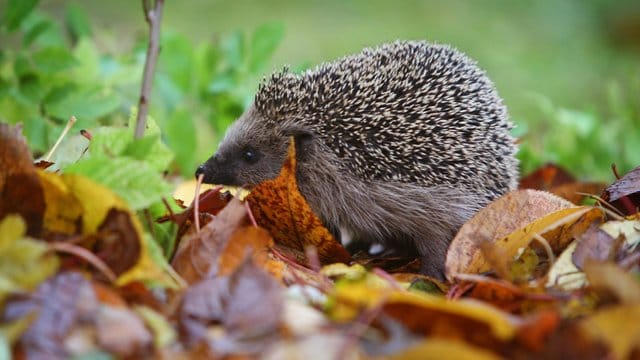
200,170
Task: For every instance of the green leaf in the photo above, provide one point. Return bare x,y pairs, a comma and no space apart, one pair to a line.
264,42
88,68
52,60
180,132
110,141
33,33
134,181
113,142
33,89
85,103
16,11
78,22
233,47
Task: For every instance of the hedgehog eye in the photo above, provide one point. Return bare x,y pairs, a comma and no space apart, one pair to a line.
249,155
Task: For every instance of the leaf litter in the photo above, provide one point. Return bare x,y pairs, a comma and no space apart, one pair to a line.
531,275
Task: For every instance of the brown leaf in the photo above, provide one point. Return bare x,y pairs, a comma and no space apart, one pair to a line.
197,254
538,328
117,242
546,177
609,279
43,164
23,194
624,194
573,191
210,202
15,157
594,244
500,218
279,207
236,313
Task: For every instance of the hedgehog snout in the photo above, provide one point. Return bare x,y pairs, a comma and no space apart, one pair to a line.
214,172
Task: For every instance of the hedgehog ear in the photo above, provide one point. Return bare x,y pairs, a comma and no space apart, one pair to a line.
303,139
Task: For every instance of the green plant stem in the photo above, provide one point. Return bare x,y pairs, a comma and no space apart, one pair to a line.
154,18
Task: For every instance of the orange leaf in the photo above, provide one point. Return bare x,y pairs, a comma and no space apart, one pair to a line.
279,207
244,241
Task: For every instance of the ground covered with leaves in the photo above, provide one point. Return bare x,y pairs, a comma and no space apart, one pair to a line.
532,275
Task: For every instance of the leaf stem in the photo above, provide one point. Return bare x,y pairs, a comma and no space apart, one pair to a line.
72,120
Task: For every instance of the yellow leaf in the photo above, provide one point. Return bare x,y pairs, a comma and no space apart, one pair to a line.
613,279
418,311
63,213
435,348
558,228
96,201
618,327
500,218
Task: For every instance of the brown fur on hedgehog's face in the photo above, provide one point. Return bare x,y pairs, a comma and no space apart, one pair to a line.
249,154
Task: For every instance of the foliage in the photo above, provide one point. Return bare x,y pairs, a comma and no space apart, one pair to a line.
586,141
55,70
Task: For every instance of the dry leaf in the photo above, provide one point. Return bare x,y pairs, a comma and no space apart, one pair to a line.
248,240
594,244
436,348
609,279
618,327
510,222
197,254
564,274
546,177
624,194
279,207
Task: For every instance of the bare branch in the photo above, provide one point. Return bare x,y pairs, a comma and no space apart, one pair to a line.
154,18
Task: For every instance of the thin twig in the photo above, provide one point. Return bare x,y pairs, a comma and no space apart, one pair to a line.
154,18
196,203
87,255
250,213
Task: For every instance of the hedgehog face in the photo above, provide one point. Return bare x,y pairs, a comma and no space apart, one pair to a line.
249,154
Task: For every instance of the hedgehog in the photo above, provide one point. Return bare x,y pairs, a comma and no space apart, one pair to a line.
396,146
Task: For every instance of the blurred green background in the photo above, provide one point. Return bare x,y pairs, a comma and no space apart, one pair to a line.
569,71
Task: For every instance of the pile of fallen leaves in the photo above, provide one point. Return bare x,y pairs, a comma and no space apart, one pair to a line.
531,275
